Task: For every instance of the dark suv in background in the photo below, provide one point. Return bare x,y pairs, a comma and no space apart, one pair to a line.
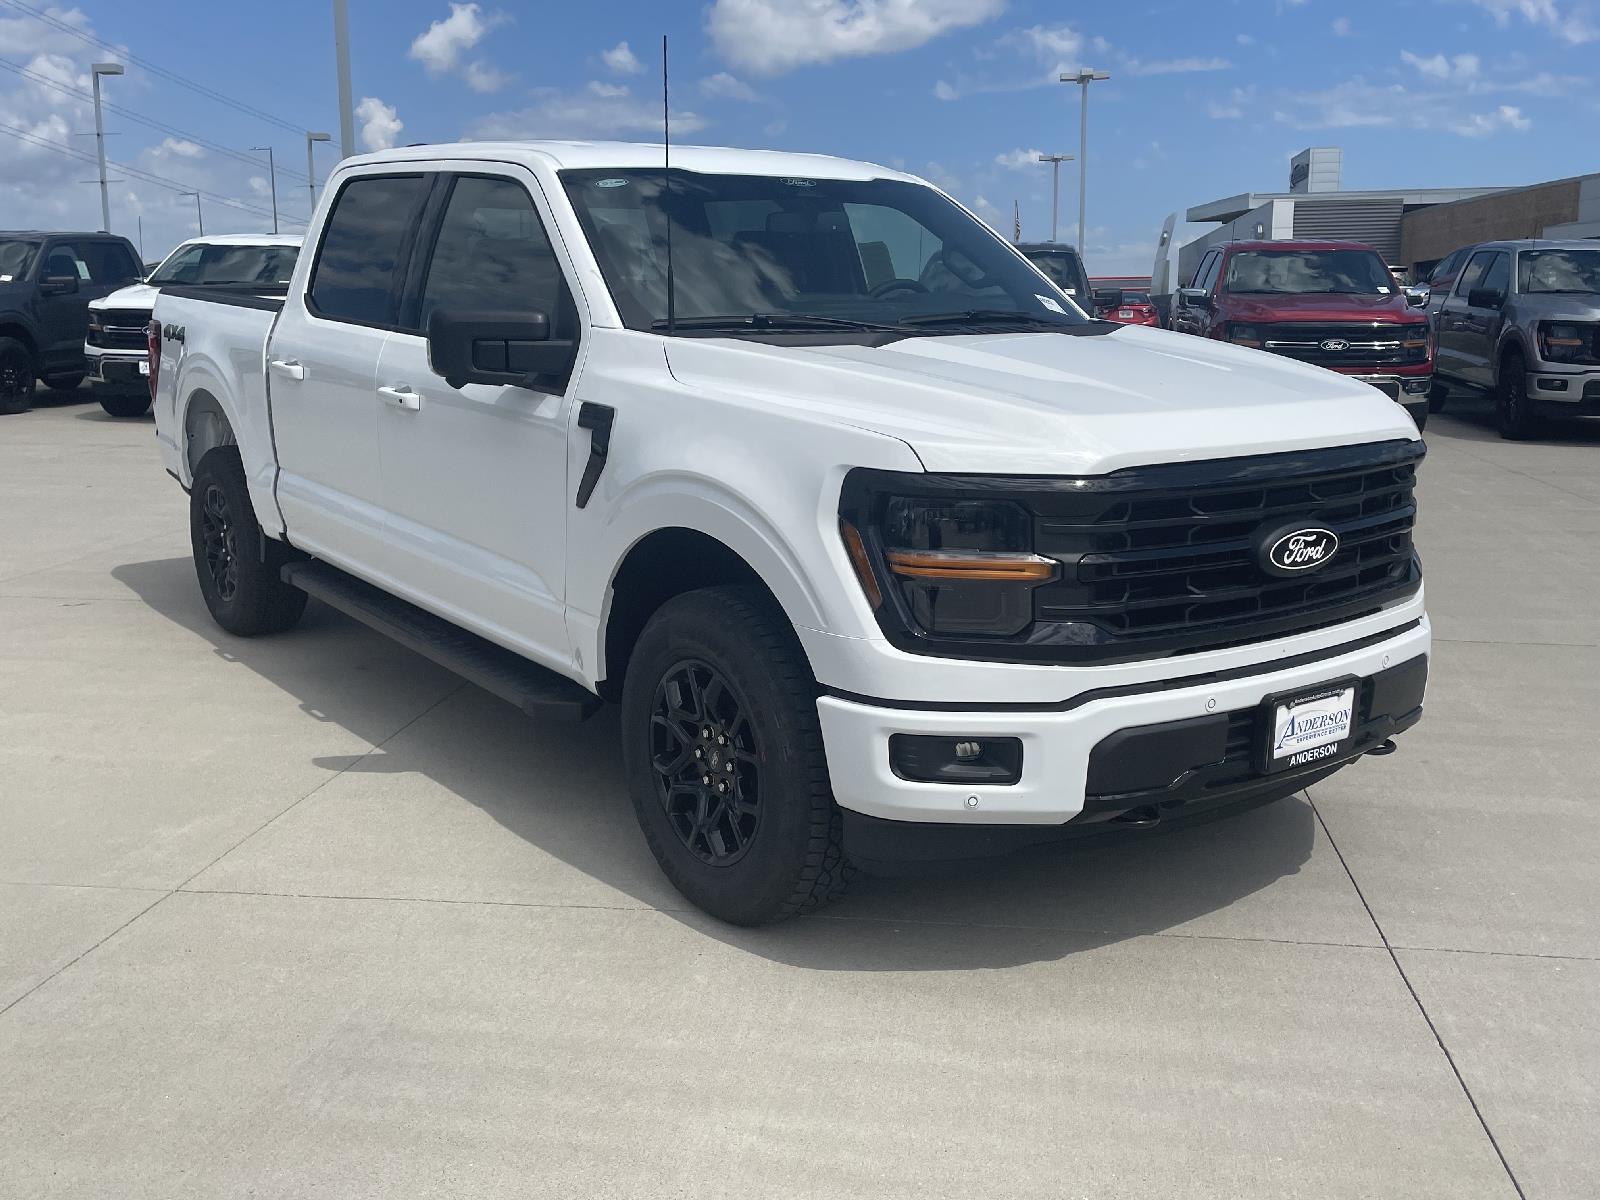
46,283
1064,266
1334,304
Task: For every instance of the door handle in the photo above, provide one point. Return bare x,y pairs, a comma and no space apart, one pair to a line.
402,396
289,368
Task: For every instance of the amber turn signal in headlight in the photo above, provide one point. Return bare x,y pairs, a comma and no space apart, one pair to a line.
971,564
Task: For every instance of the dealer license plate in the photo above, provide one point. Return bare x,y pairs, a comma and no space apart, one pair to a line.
1309,726
144,367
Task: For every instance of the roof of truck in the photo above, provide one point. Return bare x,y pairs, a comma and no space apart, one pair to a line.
1298,244
245,239
575,155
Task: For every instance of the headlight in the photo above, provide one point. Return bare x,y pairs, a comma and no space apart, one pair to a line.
960,567
1245,335
1559,342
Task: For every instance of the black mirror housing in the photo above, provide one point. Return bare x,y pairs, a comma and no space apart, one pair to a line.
1484,298
1193,298
495,348
58,285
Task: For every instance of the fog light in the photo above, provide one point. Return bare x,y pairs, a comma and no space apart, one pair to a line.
921,758
1418,387
1553,385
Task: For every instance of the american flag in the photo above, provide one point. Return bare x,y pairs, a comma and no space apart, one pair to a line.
1016,221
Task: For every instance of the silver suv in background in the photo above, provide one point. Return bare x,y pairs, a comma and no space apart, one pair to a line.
1522,322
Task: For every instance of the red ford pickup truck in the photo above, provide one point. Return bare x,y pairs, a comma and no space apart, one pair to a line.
1334,304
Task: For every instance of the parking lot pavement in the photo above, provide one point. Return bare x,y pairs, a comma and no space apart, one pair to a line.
307,916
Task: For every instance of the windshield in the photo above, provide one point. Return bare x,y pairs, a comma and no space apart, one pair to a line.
1135,298
1309,272
1063,269
200,265
15,259
856,252
1546,271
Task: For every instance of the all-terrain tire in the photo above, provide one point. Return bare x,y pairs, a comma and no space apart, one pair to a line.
16,376
238,571
724,663
63,383
125,404
1512,407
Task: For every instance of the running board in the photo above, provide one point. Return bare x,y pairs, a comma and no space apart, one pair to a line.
536,690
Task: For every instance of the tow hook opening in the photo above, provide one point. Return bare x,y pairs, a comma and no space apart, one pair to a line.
1387,746
1139,818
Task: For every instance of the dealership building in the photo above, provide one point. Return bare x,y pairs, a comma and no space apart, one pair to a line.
1411,227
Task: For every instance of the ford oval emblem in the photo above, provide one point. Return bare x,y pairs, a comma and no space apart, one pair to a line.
1297,550
1335,344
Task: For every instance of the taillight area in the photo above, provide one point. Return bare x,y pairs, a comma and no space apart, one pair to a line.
152,344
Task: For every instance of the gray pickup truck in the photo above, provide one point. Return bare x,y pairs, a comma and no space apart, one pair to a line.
1522,322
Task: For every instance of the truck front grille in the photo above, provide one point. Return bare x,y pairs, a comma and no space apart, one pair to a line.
1165,560
120,329
1348,344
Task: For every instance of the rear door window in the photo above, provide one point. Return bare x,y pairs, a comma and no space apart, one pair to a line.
365,248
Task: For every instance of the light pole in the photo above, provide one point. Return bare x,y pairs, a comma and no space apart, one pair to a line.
272,176
97,70
1055,186
1083,77
341,50
198,219
311,165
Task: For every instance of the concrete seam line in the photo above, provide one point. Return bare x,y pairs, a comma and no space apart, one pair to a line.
1421,1008
80,957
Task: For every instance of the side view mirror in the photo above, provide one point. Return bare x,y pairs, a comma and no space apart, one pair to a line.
58,285
1484,298
1416,297
1192,297
495,348
1108,297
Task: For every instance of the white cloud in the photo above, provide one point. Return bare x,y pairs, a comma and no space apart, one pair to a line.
1059,44
380,125
1175,66
442,47
481,77
621,60
598,110
1572,23
1507,116
1232,106
1245,39
944,91
1362,103
1437,66
769,37
936,174
724,86
177,148
1342,27
1018,160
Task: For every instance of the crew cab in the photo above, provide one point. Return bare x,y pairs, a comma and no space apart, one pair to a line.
116,349
1063,265
46,283
887,551
1522,322
1334,304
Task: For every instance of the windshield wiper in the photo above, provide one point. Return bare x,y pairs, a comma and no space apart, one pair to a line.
983,316
777,321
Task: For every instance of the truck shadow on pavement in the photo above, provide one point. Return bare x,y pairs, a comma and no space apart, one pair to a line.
559,788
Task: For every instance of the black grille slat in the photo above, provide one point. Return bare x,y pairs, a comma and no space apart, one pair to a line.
1360,336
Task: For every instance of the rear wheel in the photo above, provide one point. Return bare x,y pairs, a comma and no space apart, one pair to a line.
238,571
16,376
126,404
1511,399
724,759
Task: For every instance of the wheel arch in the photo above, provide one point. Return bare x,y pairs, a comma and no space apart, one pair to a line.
664,563
205,426
11,327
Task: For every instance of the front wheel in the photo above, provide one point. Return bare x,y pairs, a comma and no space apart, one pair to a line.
238,570
723,755
125,404
1437,397
63,383
16,376
1512,407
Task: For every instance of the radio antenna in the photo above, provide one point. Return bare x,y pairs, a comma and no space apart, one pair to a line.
666,207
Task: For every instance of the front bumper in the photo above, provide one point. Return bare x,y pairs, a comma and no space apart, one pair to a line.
116,366
1059,742
1565,393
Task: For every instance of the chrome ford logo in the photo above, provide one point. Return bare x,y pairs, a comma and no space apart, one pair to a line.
1288,553
1335,344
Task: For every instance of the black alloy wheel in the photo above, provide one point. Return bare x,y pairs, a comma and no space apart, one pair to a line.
16,377
221,545
1514,409
703,749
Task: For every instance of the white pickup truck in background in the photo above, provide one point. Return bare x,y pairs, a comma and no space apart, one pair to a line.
888,552
116,349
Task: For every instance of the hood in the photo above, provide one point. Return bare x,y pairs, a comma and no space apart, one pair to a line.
1053,404
1557,306
135,295
1283,307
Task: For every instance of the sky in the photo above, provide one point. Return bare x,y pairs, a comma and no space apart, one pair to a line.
1204,100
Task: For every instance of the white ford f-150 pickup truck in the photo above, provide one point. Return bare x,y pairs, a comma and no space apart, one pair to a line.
888,552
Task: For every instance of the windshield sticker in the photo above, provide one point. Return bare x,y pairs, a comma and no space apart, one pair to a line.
1052,305
5,278
611,183
1383,290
